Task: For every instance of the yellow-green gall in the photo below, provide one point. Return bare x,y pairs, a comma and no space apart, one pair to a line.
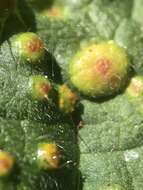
48,156
134,93
100,69
135,88
28,47
67,99
6,163
39,87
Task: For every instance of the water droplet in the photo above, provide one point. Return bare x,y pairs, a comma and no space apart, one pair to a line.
24,123
131,155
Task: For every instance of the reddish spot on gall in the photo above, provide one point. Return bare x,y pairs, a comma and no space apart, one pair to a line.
44,88
73,98
103,66
34,45
4,164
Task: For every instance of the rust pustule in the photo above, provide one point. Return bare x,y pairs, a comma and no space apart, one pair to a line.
103,66
73,97
34,45
44,88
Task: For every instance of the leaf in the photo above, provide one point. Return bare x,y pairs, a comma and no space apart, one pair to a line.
25,123
137,11
20,20
112,132
21,139
129,35
111,137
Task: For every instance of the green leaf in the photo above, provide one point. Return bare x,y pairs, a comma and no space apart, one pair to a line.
137,11
111,138
25,122
21,139
113,128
